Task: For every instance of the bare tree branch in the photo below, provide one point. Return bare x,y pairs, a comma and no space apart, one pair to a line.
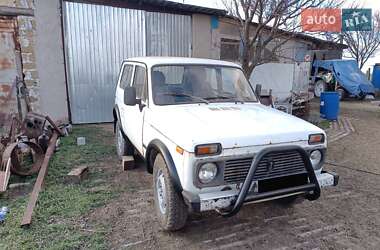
265,23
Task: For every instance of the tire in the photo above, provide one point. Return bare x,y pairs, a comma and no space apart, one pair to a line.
170,208
319,87
123,145
361,96
341,93
369,97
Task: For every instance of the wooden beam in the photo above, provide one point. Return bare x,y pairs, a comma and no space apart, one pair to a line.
27,218
13,11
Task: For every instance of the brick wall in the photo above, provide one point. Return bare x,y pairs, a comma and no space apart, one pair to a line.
26,38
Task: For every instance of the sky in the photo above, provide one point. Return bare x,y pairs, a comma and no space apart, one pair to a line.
373,4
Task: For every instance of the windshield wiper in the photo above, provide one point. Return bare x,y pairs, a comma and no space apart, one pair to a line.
186,95
219,97
232,98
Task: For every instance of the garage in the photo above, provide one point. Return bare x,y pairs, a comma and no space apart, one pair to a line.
98,38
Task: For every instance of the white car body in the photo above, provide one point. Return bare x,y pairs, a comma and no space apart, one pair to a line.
241,128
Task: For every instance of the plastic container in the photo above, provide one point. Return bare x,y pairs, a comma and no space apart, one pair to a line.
329,108
3,214
376,76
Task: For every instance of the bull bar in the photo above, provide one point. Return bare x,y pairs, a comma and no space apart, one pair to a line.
312,189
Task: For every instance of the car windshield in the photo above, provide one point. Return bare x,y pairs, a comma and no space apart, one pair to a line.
179,84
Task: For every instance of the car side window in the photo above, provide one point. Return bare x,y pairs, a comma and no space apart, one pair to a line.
139,82
126,76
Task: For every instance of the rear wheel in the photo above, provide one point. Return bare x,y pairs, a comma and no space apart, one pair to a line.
369,97
341,93
319,87
170,207
123,145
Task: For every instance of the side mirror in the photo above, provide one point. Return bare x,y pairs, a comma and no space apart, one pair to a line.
258,90
130,96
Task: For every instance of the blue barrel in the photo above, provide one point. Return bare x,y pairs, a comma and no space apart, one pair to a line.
376,76
329,108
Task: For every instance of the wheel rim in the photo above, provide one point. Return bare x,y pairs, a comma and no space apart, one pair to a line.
161,192
119,141
319,88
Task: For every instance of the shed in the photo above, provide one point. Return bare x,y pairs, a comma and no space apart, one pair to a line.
99,35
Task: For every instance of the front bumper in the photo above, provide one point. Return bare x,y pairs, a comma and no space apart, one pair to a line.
225,199
229,202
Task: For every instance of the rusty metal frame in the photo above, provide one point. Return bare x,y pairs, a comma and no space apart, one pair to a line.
14,11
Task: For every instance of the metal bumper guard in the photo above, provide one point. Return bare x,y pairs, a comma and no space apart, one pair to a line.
234,202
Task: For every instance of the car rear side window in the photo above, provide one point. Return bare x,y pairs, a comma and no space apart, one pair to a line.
126,76
140,82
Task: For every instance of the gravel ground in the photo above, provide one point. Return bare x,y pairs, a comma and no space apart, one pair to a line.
345,217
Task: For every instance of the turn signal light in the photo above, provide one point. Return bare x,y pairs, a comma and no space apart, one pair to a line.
208,149
179,150
316,138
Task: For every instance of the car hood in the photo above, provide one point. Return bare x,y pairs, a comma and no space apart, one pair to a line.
232,125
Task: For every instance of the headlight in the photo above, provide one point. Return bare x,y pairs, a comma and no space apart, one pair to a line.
316,158
207,172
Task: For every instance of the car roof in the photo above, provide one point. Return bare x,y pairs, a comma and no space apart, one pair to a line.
157,60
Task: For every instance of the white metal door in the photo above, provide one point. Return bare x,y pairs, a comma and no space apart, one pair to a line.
133,116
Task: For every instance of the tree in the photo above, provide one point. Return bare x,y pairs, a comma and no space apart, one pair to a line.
266,25
363,45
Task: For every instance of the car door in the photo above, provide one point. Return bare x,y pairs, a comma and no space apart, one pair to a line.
124,80
133,117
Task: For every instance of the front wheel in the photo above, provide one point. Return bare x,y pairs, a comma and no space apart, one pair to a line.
170,207
123,145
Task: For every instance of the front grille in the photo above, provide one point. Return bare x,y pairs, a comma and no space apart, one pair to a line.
272,165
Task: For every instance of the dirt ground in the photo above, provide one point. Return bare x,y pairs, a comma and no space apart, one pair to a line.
345,217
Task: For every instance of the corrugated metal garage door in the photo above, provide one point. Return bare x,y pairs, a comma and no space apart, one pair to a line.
98,38
168,34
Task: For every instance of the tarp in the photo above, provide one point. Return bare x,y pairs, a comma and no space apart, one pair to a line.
348,75
275,76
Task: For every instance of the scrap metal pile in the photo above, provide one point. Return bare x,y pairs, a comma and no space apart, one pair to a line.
29,138
26,149
35,139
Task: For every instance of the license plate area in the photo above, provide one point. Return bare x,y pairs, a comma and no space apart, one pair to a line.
282,182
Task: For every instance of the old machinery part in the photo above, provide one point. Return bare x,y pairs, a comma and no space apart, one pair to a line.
12,152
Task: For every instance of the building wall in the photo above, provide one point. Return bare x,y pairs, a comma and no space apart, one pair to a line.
206,40
9,52
50,59
21,57
293,50
39,41
27,39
